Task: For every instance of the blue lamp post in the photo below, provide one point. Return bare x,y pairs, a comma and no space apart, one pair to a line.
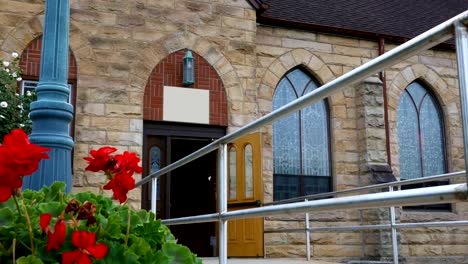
188,63
51,114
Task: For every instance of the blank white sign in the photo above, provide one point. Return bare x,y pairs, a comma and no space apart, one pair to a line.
186,105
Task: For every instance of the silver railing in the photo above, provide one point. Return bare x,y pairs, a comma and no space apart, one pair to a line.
392,225
430,195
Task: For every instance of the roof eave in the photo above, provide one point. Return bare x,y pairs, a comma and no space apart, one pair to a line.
259,5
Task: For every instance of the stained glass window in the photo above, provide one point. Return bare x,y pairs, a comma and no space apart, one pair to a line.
232,174
420,134
301,157
155,161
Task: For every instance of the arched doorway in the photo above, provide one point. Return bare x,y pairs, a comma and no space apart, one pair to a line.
198,115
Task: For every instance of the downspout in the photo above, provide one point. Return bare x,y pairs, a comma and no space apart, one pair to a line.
385,101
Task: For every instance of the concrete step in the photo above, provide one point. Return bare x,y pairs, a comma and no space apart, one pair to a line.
267,261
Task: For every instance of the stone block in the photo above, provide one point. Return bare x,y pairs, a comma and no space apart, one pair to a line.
341,60
236,23
123,110
312,46
436,61
125,138
91,109
91,136
351,51
339,40
292,34
109,123
268,40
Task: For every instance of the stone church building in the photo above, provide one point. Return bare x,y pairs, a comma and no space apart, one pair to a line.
251,57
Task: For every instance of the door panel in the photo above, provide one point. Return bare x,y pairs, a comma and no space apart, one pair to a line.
245,236
152,163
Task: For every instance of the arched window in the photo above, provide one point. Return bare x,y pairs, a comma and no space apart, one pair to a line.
420,134
301,143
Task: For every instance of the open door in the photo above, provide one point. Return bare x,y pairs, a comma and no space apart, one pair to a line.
245,236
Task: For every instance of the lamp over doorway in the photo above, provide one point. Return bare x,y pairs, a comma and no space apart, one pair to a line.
188,63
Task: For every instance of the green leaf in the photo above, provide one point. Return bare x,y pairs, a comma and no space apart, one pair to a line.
53,208
29,260
54,192
178,254
7,217
113,227
118,254
138,245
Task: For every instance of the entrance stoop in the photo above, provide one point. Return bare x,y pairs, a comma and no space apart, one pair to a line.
267,261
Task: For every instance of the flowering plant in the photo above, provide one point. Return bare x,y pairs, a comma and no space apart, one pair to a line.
14,107
49,226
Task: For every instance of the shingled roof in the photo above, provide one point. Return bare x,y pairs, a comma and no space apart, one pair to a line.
393,19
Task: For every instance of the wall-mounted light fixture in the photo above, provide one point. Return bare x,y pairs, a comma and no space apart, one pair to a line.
188,68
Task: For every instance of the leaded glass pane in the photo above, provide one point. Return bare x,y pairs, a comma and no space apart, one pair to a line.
248,171
286,151
417,92
297,173
286,134
232,174
315,155
155,161
432,138
312,86
408,138
299,80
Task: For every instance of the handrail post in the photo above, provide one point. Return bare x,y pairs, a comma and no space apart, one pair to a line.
394,231
461,40
307,226
222,201
154,195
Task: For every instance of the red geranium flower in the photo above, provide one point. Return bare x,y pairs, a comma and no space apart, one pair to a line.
8,183
127,162
84,241
19,156
56,239
45,221
121,184
101,160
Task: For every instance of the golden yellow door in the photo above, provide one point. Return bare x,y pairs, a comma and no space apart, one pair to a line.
245,236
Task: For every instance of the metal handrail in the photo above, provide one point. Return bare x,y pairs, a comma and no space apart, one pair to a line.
371,187
356,228
430,195
428,39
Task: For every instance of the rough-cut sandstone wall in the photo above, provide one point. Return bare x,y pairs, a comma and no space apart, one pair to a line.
438,70
358,140
117,44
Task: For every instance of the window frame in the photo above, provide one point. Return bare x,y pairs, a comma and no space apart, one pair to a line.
302,176
438,107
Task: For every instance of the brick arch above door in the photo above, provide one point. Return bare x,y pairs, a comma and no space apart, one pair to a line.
169,73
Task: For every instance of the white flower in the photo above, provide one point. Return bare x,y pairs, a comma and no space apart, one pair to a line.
6,63
19,79
20,106
14,75
4,104
17,94
21,125
14,55
1,116
7,70
28,93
